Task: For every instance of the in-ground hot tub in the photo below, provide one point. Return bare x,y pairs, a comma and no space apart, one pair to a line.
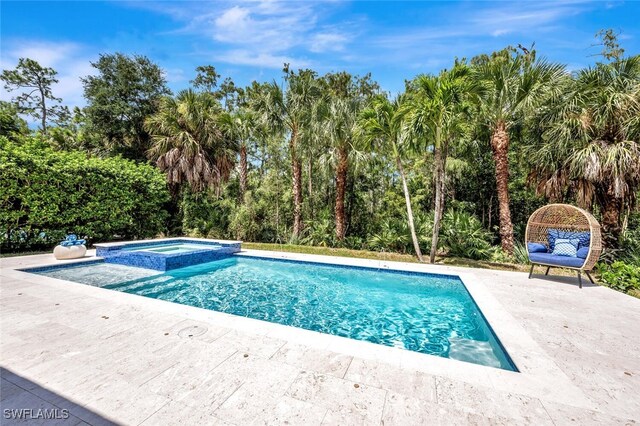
166,254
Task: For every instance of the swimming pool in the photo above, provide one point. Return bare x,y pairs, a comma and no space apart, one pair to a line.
427,313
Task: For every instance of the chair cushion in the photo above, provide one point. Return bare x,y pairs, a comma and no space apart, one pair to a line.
552,259
554,234
583,252
566,247
536,248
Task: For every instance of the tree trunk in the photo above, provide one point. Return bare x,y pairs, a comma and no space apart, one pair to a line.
500,147
439,159
310,188
611,229
407,199
243,171
296,169
341,184
43,105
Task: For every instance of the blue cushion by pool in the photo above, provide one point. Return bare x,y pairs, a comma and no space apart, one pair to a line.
536,248
566,247
552,259
583,252
554,234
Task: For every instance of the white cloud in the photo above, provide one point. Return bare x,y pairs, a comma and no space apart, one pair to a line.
506,18
263,60
46,53
234,19
330,41
499,32
262,33
522,17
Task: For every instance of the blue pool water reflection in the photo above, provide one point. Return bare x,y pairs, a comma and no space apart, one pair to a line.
432,314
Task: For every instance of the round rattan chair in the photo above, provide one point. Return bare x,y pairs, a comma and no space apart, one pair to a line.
563,221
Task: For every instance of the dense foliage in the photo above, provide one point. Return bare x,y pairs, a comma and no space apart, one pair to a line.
123,93
452,166
621,276
45,194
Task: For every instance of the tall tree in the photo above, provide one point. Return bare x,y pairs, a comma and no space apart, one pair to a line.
345,97
189,143
511,84
291,110
206,78
433,114
380,125
37,98
242,127
590,143
126,90
611,50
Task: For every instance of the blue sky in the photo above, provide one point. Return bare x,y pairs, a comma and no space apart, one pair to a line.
251,40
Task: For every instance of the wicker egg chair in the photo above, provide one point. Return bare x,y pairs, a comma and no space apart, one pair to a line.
555,221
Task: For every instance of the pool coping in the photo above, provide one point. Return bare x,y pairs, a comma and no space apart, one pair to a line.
538,374
168,239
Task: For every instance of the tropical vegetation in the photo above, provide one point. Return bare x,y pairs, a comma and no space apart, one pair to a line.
452,166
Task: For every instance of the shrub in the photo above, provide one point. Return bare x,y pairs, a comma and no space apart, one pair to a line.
622,276
520,253
320,232
205,214
46,194
393,236
630,241
462,235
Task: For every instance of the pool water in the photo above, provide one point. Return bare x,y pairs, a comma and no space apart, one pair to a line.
432,314
175,248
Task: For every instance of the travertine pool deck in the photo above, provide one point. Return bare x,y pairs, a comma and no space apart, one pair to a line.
107,356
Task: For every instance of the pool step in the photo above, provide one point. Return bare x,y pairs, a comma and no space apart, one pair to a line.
472,351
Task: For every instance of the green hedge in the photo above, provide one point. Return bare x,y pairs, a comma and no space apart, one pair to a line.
45,194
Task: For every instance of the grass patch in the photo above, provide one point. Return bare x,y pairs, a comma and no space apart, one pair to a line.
385,256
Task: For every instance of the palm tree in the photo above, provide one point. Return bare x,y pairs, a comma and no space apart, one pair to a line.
511,83
342,113
345,96
591,142
241,126
291,110
380,126
188,143
432,114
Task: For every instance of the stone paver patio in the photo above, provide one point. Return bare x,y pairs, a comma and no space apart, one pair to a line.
108,357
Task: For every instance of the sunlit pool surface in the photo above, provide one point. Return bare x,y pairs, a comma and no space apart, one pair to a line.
174,248
431,314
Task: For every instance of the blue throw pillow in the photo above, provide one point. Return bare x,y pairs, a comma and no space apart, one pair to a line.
583,252
565,247
554,234
536,248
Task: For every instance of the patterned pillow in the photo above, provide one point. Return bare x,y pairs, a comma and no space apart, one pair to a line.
554,234
565,247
